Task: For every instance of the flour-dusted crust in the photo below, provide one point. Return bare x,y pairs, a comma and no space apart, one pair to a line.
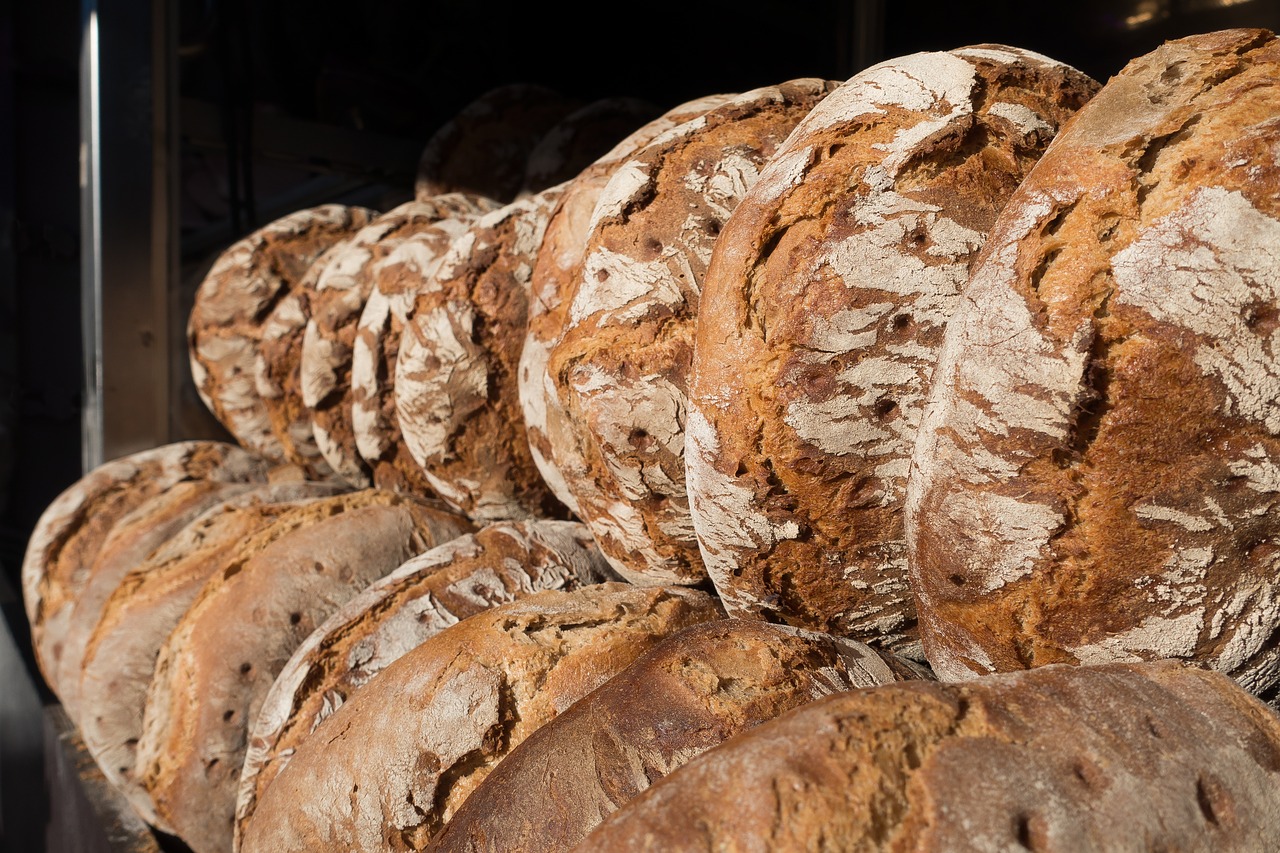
820,320
621,364
581,138
687,694
390,767
222,657
342,286
1098,471
409,268
455,373
555,273
1121,757
500,563
69,533
237,295
120,656
485,148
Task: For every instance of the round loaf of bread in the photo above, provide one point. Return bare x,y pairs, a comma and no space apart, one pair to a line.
455,372
1121,757
687,694
821,317
390,767
621,364
132,539
70,532
221,658
581,138
120,656
500,563
1095,478
224,330
341,289
485,148
397,280
555,273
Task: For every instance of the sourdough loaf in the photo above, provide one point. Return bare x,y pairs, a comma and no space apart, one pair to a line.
555,273
621,363
500,563
455,372
680,698
582,137
1095,474
390,767
70,532
225,327
120,655
1121,757
341,289
251,613
820,319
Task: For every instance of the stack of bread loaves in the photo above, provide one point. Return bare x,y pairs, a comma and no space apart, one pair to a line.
965,366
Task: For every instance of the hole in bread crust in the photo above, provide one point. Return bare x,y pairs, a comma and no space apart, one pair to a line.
958,580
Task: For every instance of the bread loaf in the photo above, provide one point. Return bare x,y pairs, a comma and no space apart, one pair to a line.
555,273
621,364
224,330
1137,757
455,372
252,612
120,655
387,770
680,698
820,319
1094,475
580,138
341,289
69,533
500,563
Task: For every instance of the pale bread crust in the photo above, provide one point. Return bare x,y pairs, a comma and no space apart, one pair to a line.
502,562
687,694
341,289
120,657
455,373
820,319
621,363
554,274
1095,473
252,612
392,764
1136,757
225,327
69,533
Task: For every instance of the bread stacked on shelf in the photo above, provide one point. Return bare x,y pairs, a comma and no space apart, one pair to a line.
963,366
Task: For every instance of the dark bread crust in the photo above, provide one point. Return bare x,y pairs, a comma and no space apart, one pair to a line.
820,320
1141,757
1092,480
581,138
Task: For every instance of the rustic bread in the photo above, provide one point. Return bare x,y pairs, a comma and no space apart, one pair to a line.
582,137
387,770
820,319
341,289
69,533
225,327
1094,474
397,279
120,655
680,698
500,563
132,539
1122,757
455,372
621,364
221,658
485,148
555,273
